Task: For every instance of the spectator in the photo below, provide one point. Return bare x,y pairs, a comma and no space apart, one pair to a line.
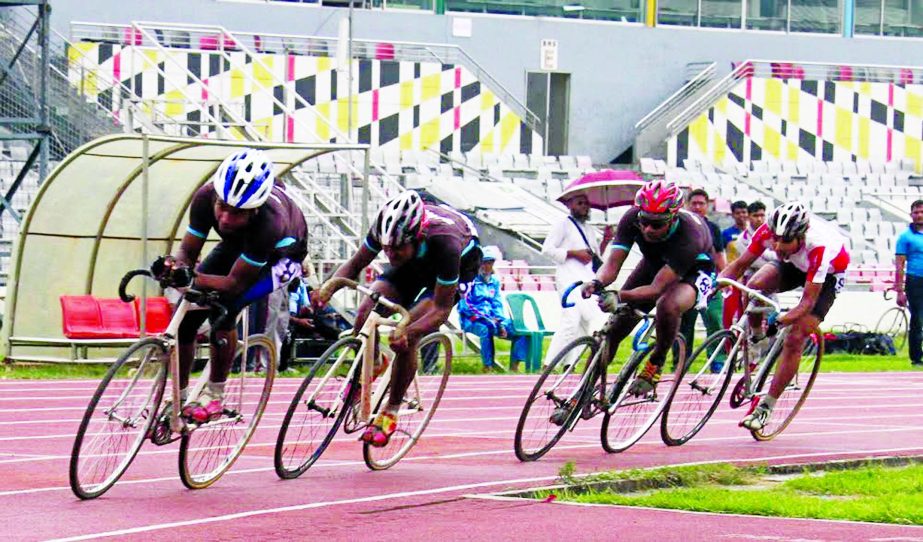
304,323
569,245
712,315
909,283
733,299
481,312
740,214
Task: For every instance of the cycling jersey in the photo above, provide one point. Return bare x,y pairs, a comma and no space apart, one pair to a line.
277,230
447,236
822,252
745,240
687,249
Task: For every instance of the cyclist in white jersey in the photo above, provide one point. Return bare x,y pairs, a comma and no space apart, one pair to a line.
811,254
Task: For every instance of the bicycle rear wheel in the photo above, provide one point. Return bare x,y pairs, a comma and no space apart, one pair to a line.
560,385
419,403
318,409
795,393
206,452
630,417
700,391
118,418
893,323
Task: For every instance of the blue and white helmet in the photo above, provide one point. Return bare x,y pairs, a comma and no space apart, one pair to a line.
244,179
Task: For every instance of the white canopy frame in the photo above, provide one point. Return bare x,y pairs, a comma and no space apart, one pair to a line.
107,208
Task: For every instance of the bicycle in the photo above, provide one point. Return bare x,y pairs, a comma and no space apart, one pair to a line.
701,390
126,408
580,386
347,393
894,323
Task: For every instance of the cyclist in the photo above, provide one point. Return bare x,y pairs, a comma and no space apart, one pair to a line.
430,249
675,273
809,253
263,242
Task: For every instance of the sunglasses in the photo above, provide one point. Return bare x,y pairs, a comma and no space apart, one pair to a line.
782,239
652,223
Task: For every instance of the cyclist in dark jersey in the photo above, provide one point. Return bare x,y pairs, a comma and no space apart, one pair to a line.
430,249
263,242
675,273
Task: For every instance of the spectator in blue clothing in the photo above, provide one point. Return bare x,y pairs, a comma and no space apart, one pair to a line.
481,312
740,214
908,283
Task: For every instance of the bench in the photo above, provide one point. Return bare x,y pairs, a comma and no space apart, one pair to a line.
88,321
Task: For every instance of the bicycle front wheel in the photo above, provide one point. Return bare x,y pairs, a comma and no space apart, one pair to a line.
434,364
893,323
118,418
208,451
318,409
700,389
554,400
796,392
631,416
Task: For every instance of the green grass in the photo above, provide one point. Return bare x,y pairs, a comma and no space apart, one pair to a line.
470,363
872,493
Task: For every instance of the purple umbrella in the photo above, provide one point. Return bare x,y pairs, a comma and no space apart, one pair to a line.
605,189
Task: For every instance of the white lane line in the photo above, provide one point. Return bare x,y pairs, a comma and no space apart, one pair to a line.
358,500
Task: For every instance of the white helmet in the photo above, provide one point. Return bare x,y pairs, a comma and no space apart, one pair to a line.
789,220
244,179
400,219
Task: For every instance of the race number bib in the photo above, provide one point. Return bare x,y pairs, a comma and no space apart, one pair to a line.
284,271
704,285
840,283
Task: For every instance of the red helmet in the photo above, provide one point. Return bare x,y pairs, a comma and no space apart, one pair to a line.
660,197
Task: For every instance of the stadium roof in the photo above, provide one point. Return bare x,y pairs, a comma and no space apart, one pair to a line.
85,228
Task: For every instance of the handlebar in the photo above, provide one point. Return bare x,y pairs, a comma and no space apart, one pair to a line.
751,292
335,284
206,299
885,293
123,284
621,306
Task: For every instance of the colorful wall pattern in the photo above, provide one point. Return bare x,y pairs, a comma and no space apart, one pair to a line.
396,105
794,119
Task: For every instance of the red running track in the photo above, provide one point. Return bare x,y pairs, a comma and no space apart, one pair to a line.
442,490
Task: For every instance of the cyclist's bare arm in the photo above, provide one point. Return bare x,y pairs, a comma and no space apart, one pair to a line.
242,276
426,317
805,306
189,250
736,268
612,266
664,278
359,261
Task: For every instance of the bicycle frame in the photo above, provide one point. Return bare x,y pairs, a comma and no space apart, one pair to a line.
368,336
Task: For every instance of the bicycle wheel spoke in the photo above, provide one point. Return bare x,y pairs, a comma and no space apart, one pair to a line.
700,389
795,392
419,403
118,419
631,416
317,410
207,451
556,393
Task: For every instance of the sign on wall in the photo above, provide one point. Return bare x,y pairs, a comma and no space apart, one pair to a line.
549,60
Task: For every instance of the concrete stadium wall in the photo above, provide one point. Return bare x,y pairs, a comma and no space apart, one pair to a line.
619,72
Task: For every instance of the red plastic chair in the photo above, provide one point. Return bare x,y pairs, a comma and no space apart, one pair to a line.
119,319
159,313
80,317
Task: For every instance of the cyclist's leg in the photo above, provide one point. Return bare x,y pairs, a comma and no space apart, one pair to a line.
767,279
218,262
623,323
671,306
